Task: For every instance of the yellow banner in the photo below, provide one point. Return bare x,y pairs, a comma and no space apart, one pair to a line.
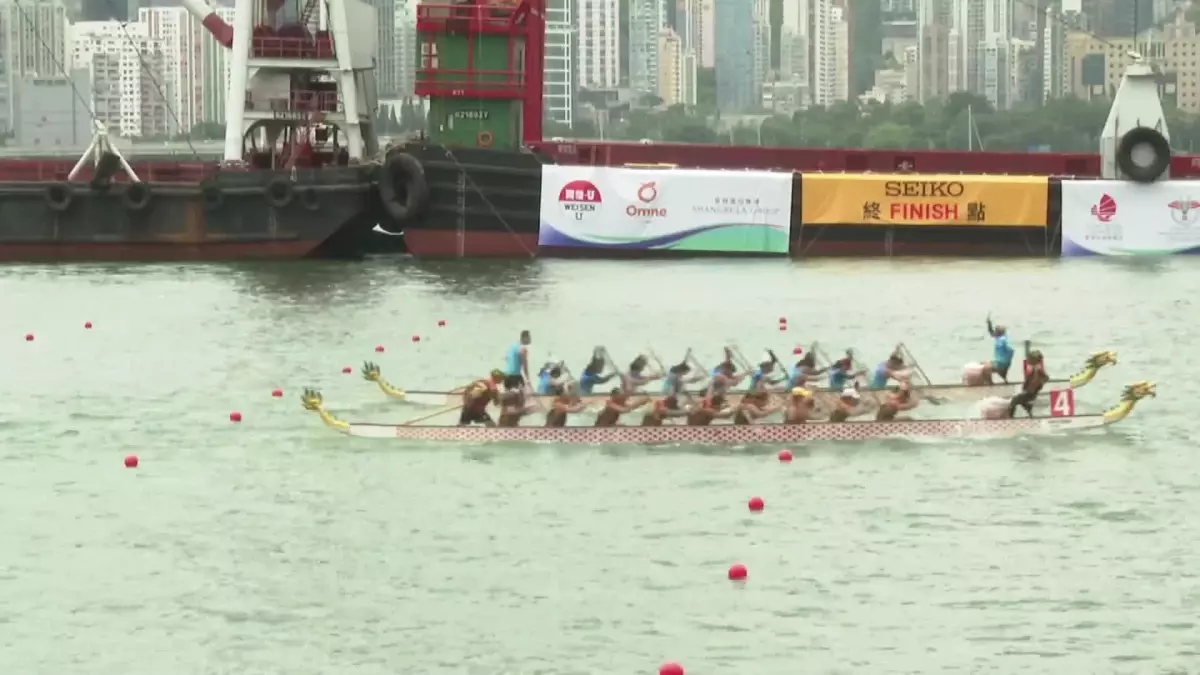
923,199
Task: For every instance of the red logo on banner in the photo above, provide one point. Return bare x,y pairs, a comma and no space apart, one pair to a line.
1106,210
580,198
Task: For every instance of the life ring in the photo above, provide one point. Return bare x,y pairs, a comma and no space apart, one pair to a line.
214,198
279,192
484,139
1138,137
309,199
59,197
403,174
137,196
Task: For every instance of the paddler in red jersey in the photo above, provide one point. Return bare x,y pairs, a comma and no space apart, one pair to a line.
618,404
753,407
512,404
801,408
710,408
565,403
477,397
661,410
1035,378
899,400
849,404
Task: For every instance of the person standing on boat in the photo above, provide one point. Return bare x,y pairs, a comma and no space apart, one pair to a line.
516,362
849,405
593,373
753,407
897,401
842,373
892,369
477,397
618,404
637,375
564,404
1035,378
1002,352
801,408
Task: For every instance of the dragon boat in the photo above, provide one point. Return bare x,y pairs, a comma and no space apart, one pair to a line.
930,393
730,434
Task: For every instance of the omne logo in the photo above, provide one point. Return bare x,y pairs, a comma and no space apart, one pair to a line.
646,193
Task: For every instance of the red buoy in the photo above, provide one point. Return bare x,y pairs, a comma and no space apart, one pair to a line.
378,349
277,392
441,323
87,325
756,504
785,455
737,572
798,351
29,337
782,327
131,461
783,319
235,416
670,669
416,338
346,370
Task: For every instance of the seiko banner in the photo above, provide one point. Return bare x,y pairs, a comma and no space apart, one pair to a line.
673,209
1121,218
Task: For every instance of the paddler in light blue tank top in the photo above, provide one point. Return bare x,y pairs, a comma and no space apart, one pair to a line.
516,362
724,379
761,378
842,372
804,369
678,377
548,381
637,375
1002,352
593,372
892,369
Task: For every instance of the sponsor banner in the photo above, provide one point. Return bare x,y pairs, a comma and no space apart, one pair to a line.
924,199
1116,217
666,209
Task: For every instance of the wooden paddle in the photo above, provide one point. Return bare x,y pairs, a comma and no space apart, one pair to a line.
908,356
435,413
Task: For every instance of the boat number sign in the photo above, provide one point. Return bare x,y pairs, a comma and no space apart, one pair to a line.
1062,403
912,200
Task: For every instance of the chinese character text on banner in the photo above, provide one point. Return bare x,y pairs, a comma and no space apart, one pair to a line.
674,209
916,200
1111,217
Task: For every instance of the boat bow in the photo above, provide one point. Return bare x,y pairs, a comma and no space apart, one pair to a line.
1092,366
372,373
312,401
1129,399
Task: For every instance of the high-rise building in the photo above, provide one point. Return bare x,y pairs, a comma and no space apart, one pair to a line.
558,93
33,43
181,36
867,21
107,10
405,28
734,54
819,26
840,54
706,38
670,67
1054,51
215,72
598,58
127,68
646,19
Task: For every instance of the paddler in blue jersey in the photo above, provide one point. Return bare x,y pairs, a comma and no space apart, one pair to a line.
548,378
677,378
1002,352
842,372
761,379
637,375
723,378
892,369
593,373
804,369
516,362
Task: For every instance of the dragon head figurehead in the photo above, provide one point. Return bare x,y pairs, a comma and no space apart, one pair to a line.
1100,359
311,399
370,371
1138,391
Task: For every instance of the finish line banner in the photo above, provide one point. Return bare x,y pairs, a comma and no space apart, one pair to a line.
665,209
924,199
1122,218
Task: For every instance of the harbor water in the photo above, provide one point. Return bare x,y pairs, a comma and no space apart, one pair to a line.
277,546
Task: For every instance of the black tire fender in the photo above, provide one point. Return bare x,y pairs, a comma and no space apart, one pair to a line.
1139,136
